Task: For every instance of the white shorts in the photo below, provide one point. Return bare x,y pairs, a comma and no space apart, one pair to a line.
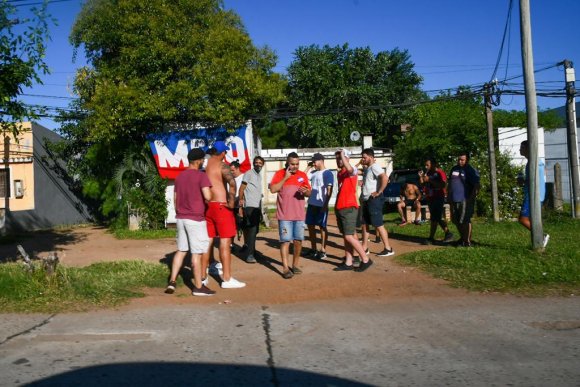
192,236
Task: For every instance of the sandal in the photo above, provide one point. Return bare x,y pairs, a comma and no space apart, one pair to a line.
296,270
288,274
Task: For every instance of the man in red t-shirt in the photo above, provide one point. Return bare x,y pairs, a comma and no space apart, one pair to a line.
346,209
292,186
434,181
192,187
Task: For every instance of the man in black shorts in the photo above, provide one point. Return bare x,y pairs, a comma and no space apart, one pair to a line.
410,196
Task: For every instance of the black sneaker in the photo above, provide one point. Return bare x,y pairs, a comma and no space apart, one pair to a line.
321,255
343,267
448,237
386,253
170,289
310,254
203,291
363,266
251,259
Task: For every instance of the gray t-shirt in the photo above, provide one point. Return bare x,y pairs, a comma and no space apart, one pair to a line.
253,191
371,183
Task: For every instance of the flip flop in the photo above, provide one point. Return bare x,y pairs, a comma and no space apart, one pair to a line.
288,274
296,270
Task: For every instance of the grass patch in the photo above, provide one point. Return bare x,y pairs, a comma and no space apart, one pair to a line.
502,259
144,234
101,285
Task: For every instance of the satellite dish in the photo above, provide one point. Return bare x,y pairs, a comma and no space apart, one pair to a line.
355,136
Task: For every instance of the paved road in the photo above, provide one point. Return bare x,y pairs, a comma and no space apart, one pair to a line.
479,340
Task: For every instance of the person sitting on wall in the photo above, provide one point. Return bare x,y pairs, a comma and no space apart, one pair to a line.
410,196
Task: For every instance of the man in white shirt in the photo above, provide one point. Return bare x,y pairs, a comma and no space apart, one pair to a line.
374,182
322,182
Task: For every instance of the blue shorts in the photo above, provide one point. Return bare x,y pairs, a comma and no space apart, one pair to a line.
525,211
315,216
291,230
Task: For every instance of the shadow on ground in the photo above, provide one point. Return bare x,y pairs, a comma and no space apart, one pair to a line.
39,242
189,374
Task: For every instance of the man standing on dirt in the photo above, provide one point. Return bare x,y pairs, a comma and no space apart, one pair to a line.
524,181
238,175
322,182
292,186
191,188
434,181
410,196
374,182
346,209
251,193
219,214
463,188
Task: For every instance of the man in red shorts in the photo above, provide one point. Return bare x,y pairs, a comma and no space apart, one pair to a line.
219,214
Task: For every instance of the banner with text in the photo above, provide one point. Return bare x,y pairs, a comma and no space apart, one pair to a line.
170,149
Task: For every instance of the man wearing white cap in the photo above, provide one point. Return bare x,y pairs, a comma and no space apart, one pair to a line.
346,209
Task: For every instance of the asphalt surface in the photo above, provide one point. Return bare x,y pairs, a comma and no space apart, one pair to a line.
478,340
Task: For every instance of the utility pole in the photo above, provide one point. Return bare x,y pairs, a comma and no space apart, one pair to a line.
572,139
491,150
532,115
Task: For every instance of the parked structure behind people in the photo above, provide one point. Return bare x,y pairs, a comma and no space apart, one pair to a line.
292,187
346,210
219,215
524,181
374,182
322,183
251,193
463,188
434,181
192,187
410,196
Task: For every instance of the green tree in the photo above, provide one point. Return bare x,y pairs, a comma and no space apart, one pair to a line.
22,48
442,129
155,64
328,78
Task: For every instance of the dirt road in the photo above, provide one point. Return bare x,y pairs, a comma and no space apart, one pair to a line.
386,278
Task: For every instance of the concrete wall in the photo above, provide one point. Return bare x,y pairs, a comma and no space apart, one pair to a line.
55,203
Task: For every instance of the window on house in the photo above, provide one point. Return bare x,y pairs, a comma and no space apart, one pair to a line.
4,183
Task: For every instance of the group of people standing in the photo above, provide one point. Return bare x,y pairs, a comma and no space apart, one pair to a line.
219,200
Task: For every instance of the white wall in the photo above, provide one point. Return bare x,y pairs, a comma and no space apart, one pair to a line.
552,148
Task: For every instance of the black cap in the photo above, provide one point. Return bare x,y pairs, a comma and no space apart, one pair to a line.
195,154
316,157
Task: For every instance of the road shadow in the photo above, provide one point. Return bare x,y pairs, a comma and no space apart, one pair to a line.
37,243
148,374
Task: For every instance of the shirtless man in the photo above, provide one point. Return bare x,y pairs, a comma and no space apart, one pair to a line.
219,214
410,196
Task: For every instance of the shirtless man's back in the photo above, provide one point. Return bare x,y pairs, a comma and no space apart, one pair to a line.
219,215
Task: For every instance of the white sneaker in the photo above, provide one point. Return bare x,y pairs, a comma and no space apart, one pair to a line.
205,281
232,284
546,239
215,268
